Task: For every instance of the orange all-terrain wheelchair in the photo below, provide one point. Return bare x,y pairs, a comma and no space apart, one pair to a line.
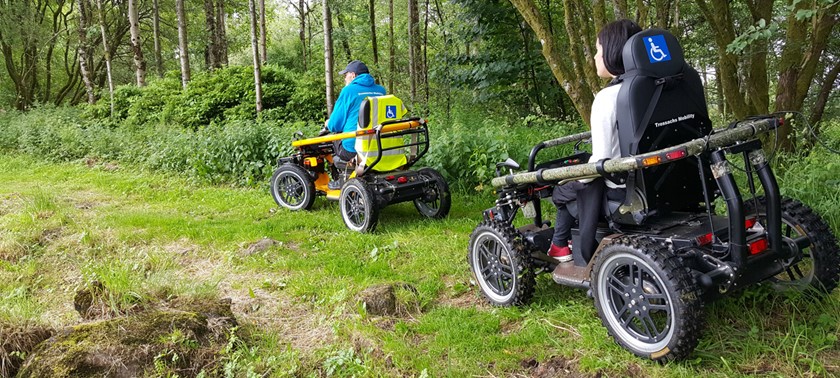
380,175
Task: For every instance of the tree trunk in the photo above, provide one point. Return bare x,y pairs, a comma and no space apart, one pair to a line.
328,56
210,48
797,70
255,48
107,53
139,61
392,68
302,34
825,91
183,46
425,69
345,41
221,34
263,54
568,72
156,32
83,50
413,47
373,33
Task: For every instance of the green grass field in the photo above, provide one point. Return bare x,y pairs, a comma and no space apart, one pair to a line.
149,236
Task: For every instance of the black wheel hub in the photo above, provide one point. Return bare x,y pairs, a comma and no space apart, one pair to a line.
495,266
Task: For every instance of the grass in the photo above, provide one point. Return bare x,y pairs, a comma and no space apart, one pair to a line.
146,236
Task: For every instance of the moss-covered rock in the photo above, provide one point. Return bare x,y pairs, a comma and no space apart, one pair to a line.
162,341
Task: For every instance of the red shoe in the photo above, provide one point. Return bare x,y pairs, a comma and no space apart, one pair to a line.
561,254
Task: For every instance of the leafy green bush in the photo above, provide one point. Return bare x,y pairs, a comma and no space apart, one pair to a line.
219,96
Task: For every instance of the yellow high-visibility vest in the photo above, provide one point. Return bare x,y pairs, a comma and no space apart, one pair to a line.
382,108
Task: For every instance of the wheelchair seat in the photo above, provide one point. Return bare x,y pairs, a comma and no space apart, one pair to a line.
372,112
660,104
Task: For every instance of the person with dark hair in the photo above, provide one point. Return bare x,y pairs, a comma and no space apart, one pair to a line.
359,84
589,193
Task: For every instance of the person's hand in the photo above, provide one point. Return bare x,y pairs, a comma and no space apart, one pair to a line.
324,131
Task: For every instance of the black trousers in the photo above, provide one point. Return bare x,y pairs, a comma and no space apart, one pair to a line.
589,197
343,154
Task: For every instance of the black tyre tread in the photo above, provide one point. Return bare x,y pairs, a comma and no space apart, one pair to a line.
691,312
370,199
521,262
445,196
824,242
309,185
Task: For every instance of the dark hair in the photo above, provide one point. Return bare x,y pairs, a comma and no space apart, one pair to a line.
612,37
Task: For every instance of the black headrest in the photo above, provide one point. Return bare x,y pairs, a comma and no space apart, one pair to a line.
653,52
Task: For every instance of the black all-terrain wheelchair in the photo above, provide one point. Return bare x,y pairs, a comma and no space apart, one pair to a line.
665,249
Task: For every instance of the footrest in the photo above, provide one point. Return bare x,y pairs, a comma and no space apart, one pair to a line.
569,274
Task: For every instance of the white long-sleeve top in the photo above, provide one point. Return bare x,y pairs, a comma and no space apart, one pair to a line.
604,130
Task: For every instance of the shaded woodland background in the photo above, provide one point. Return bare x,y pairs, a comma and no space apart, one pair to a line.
190,63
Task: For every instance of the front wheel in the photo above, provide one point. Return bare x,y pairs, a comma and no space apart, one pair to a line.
501,264
647,300
436,200
816,264
292,188
358,206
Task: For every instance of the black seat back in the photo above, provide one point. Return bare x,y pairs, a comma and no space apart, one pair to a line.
660,104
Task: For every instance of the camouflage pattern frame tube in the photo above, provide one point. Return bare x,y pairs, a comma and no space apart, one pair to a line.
743,131
567,139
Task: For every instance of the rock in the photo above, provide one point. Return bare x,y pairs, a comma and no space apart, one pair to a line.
163,341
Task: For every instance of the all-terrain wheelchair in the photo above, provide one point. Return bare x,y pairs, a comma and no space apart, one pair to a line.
664,249
388,146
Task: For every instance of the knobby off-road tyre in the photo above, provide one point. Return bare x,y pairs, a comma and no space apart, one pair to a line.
292,187
647,299
818,270
436,200
358,206
501,264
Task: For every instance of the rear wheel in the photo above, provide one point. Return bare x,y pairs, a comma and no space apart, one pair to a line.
358,206
292,188
436,200
816,265
647,300
501,264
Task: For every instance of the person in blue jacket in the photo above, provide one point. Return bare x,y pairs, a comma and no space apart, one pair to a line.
359,84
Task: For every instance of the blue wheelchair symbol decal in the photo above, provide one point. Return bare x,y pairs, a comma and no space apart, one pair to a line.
391,111
657,49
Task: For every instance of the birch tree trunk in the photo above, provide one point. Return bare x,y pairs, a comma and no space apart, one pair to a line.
183,46
262,32
139,61
156,32
83,50
373,33
107,53
256,50
328,56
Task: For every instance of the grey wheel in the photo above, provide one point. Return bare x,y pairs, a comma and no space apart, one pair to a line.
816,264
292,188
649,303
501,264
436,200
358,206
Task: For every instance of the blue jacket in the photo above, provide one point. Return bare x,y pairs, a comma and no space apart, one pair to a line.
345,114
